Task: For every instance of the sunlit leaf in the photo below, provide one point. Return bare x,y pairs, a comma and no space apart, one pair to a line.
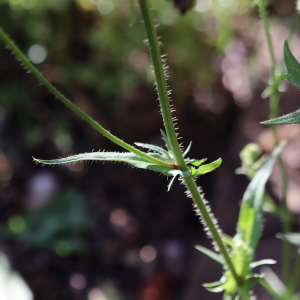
293,238
209,167
187,149
263,262
227,297
217,289
212,284
274,282
196,162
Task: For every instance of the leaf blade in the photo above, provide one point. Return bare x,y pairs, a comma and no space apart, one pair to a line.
209,167
250,219
213,255
293,75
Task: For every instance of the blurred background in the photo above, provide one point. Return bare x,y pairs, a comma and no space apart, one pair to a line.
109,232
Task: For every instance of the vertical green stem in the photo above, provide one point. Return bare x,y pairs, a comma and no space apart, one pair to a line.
161,82
264,18
167,118
295,276
274,113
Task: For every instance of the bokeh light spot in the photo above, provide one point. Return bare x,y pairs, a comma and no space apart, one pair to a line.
37,53
148,253
105,7
118,217
96,294
16,224
77,281
203,6
62,248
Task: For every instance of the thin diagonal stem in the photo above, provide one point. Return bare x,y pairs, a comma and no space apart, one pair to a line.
24,60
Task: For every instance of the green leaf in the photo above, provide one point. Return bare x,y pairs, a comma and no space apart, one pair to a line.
172,181
168,145
296,297
293,75
187,150
293,238
126,157
228,240
193,171
132,13
229,285
292,118
227,297
211,284
209,167
157,149
196,162
217,289
263,262
213,255
274,282
250,218
292,66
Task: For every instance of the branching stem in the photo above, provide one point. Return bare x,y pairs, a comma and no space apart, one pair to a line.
24,60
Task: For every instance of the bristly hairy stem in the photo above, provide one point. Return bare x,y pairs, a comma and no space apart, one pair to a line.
24,60
274,114
161,82
168,122
198,200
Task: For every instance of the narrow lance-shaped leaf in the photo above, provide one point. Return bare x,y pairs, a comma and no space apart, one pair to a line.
168,145
263,262
293,75
187,149
213,255
293,238
196,162
250,218
209,167
274,282
155,148
126,157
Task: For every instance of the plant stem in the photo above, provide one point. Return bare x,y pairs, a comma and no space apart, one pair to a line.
161,82
24,60
295,277
216,236
168,122
274,113
264,18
